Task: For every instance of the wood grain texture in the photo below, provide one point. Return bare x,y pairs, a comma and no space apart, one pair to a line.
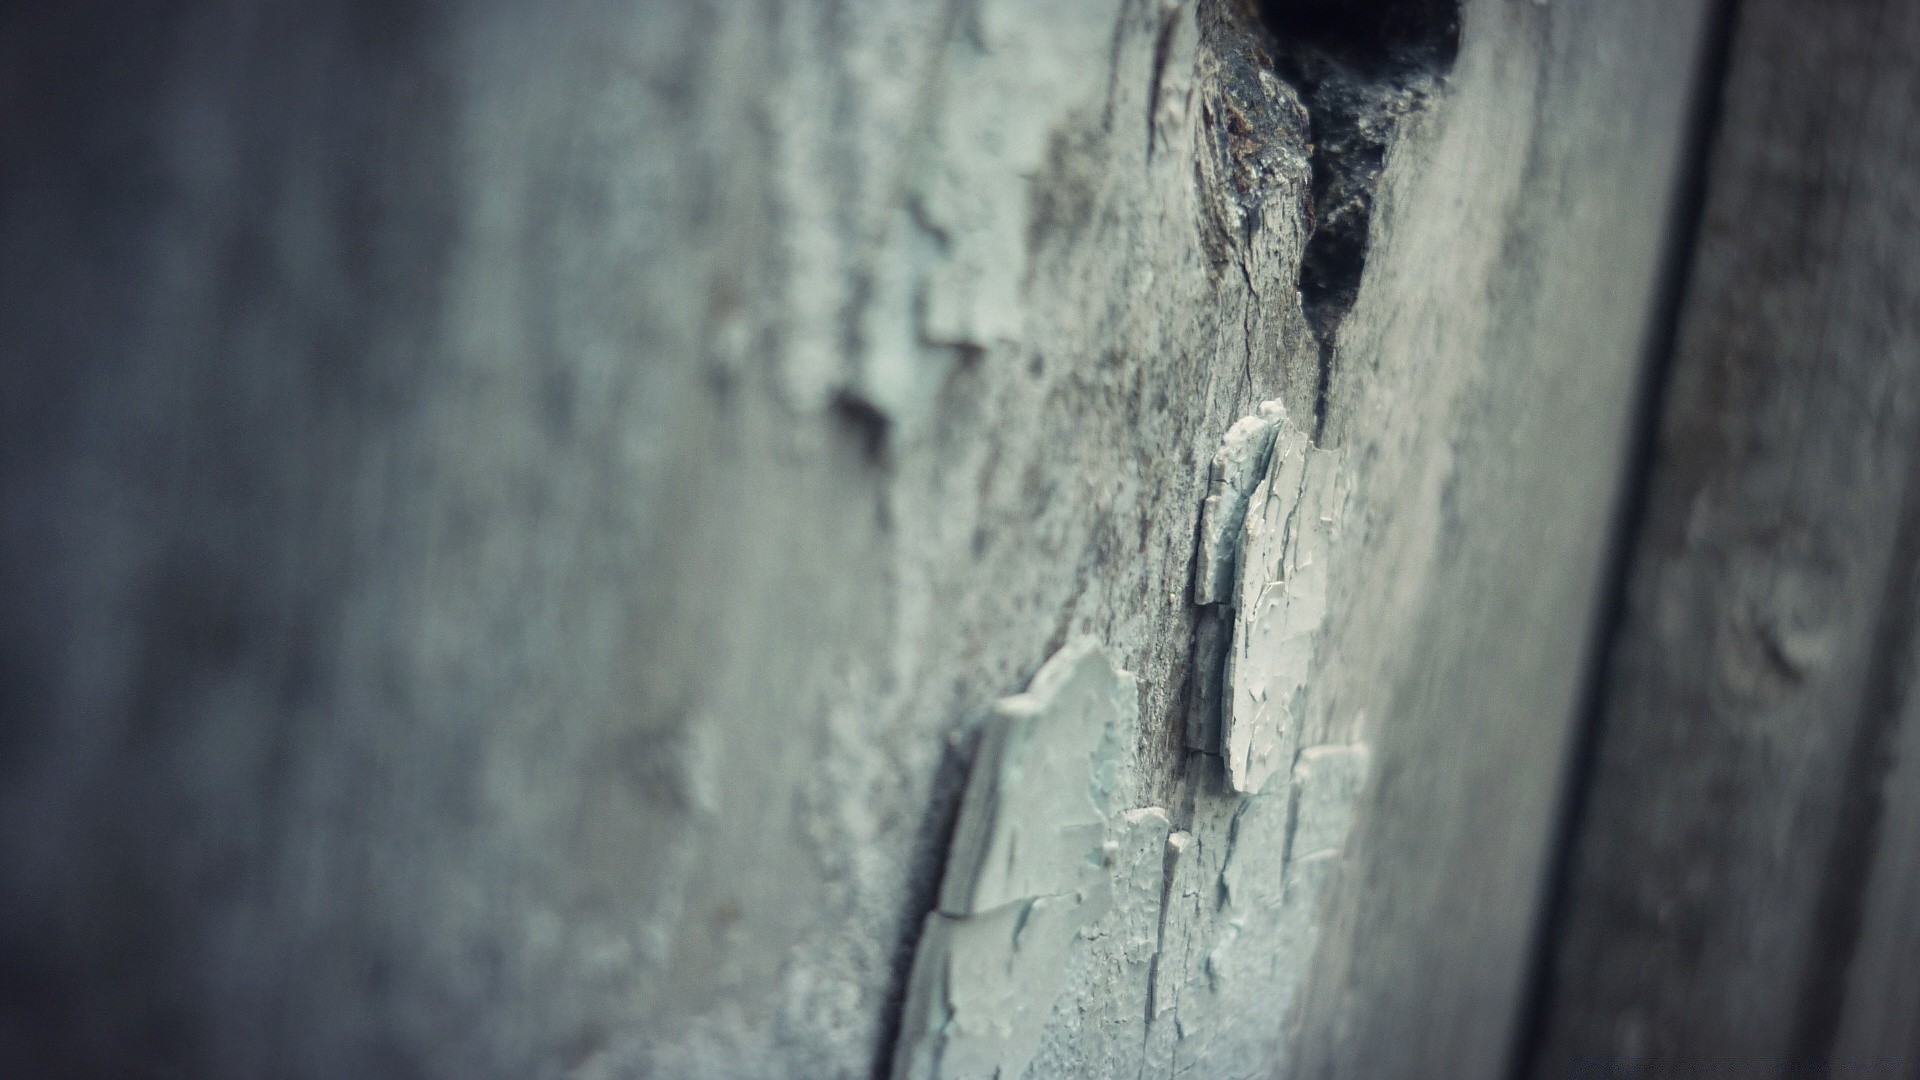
512,516
1753,699
1486,389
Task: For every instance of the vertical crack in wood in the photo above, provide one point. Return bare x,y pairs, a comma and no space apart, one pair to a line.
1360,68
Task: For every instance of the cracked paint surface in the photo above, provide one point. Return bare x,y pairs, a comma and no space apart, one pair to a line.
1237,469
949,277
1242,914
1280,604
1032,865
1266,533
1032,821
1073,938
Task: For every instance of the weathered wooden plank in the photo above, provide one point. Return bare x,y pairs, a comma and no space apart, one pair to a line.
1718,869
511,516
1486,389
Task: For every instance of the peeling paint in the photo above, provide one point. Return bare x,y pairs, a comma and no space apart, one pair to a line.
1041,859
1099,1025
1238,467
1242,916
1260,577
1257,852
982,987
1326,782
1185,913
954,258
1076,939
1032,821
1280,604
1139,889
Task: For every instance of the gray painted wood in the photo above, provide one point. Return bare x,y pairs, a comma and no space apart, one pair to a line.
1743,815
1879,1019
511,515
1493,363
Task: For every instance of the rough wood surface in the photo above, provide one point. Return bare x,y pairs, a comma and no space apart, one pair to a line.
1490,368
1879,1006
511,515
1744,813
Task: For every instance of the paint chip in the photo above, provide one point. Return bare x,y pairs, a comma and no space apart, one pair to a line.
1237,469
1280,603
1326,783
1032,864
1241,924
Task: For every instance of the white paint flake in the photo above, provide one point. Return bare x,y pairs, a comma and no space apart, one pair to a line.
1032,821
1279,605
982,987
1326,785
1185,918
1242,917
1040,861
1238,467
1100,1023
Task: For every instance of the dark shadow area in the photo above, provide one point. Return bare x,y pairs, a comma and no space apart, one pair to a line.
1369,35
1359,68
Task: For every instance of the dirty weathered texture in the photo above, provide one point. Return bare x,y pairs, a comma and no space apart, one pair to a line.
1482,394
511,516
1871,984
1288,543
1742,893
1031,864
